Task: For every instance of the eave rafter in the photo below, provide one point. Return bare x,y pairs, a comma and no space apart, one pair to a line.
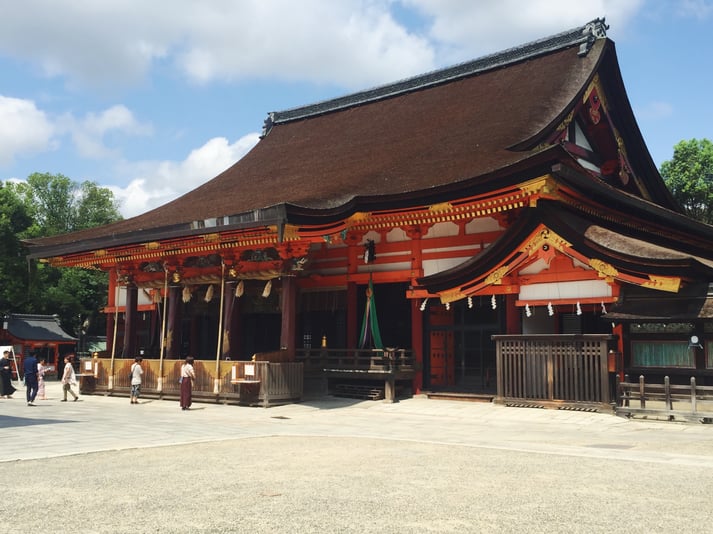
169,250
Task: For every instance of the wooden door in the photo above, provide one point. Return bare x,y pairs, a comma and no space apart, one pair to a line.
442,347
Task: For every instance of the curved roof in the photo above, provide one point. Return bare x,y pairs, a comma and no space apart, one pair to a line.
628,249
410,140
37,328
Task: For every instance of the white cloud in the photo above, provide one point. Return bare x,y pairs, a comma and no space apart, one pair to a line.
24,129
469,29
155,183
88,133
350,42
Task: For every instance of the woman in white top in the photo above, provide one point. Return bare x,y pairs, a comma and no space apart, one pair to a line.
188,375
136,372
68,379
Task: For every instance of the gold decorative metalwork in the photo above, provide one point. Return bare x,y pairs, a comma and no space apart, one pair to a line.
543,186
291,232
211,238
545,238
496,277
596,84
566,122
153,245
605,270
451,296
663,283
442,206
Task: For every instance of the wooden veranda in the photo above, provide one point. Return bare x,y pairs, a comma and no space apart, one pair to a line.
260,383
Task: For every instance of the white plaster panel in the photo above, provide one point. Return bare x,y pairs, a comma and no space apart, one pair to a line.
436,266
481,225
566,290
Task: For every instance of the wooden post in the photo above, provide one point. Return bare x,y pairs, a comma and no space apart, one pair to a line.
667,392
219,342
390,388
288,305
693,395
161,354
642,397
132,295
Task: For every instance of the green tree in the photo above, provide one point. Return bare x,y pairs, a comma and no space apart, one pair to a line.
14,220
689,177
58,205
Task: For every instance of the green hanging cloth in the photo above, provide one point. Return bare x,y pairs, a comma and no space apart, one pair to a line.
370,337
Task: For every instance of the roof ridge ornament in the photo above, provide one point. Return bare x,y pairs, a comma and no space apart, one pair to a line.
596,29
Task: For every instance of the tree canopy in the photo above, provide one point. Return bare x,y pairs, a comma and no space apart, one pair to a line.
46,205
689,177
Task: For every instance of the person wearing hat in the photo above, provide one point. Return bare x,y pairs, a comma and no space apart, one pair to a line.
6,387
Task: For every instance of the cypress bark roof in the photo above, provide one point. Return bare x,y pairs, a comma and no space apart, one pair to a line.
410,140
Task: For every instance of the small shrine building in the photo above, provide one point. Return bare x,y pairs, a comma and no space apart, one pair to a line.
506,204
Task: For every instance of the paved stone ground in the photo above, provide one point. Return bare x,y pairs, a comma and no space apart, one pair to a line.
335,465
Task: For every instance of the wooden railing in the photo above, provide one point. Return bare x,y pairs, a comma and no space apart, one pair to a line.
264,383
672,401
557,369
375,360
355,372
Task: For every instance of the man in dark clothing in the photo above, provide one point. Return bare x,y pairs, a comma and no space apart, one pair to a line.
30,368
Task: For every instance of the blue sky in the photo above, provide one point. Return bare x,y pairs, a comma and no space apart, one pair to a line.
154,98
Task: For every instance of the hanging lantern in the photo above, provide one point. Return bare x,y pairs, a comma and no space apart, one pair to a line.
186,296
369,251
240,289
209,293
267,290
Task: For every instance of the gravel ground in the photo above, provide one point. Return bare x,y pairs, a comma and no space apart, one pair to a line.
348,485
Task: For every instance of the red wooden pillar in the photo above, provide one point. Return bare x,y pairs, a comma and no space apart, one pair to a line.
288,332
131,316
235,330
109,332
228,305
111,301
415,233
513,320
352,319
173,323
417,344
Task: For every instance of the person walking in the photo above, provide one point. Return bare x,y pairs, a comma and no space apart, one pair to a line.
136,372
188,375
6,387
41,370
29,367
68,379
